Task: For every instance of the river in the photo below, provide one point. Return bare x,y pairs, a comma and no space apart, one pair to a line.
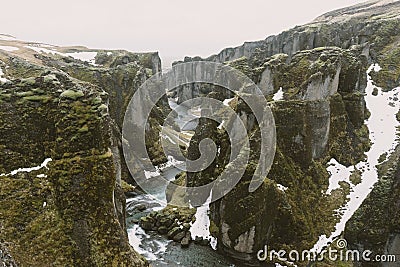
157,249
382,123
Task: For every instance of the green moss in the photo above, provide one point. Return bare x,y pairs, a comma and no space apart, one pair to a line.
347,145
29,81
70,94
298,73
387,31
389,76
34,228
37,98
84,129
242,64
214,230
22,94
355,177
38,91
50,78
382,157
66,218
127,187
5,96
97,101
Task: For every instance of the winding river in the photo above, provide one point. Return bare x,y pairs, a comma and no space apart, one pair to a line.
157,249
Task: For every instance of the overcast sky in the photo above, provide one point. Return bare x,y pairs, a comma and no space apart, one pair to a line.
175,28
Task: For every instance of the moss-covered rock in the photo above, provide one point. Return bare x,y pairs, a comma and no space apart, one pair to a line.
322,117
389,76
64,215
172,221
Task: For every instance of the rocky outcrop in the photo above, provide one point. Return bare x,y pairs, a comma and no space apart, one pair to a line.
373,25
320,68
310,129
316,121
70,212
173,222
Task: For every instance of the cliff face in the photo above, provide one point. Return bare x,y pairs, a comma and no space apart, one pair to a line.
63,115
321,117
62,108
372,25
320,69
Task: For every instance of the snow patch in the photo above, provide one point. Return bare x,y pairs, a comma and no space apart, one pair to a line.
339,173
6,37
376,68
282,188
227,101
278,96
201,226
41,166
2,79
40,49
221,125
8,48
84,56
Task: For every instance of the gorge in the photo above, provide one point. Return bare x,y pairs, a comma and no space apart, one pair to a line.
333,88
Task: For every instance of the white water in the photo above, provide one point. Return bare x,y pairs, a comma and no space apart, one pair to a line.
158,249
172,162
152,250
152,174
168,138
187,118
41,166
383,134
221,125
